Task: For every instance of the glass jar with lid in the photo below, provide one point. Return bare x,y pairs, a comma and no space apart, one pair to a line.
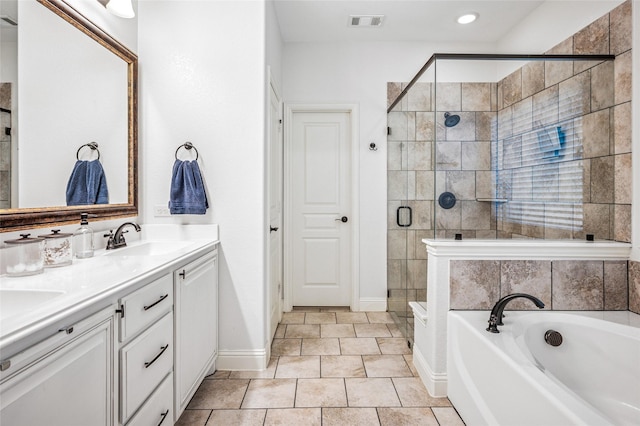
57,249
25,256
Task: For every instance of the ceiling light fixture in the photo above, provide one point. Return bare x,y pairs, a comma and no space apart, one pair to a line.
365,20
121,8
467,18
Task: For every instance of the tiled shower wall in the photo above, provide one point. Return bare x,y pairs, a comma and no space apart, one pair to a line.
418,139
560,284
584,187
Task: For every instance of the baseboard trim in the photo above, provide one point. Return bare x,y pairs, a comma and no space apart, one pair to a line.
373,304
250,360
436,383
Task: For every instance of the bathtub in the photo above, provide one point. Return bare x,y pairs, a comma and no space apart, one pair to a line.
516,378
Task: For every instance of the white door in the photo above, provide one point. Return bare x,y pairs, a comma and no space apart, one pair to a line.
275,210
321,208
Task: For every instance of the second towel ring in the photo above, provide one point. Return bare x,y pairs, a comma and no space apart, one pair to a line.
92,145
188,146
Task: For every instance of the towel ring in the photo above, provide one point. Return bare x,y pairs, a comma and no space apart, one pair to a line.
188,146
92,145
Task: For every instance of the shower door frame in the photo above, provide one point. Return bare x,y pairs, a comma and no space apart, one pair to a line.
431,65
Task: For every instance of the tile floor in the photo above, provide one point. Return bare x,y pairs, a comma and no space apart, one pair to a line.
328,367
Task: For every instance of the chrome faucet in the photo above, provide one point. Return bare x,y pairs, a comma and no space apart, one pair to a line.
116,240
495,319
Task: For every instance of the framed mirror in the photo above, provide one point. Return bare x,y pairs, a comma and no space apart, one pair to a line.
77,86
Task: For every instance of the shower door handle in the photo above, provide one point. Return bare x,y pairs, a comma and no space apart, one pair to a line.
398,214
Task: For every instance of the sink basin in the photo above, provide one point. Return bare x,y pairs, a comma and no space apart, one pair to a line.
13,302
149,248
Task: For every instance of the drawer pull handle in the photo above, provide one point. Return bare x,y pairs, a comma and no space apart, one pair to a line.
164,416
146,308
162,349
183,274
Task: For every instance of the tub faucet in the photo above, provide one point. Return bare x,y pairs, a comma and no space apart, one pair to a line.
116,240
495,319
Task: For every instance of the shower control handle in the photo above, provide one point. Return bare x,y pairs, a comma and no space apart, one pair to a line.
343,219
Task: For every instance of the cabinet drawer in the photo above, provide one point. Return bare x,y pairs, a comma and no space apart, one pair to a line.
158,408
143,307
144,363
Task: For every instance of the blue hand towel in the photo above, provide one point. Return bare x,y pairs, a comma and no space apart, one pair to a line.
188,194
87,184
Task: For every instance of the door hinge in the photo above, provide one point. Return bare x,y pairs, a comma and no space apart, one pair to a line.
388,294
120,311
388,131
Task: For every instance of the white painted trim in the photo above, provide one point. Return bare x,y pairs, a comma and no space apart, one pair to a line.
249,360
354,111
436,383
372,304
419,313
528,249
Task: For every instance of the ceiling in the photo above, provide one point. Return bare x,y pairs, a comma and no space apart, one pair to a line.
405,20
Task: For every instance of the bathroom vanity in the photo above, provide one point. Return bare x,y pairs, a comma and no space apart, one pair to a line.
123,338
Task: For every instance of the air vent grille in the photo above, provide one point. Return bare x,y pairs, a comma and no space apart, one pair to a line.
370,21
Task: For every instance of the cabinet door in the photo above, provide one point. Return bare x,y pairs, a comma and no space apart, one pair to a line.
71,385
196,325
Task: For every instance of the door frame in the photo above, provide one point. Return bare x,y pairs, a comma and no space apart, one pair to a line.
272,86
353,111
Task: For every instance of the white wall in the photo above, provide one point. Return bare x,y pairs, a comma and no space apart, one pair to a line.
202,79
358,73
274,45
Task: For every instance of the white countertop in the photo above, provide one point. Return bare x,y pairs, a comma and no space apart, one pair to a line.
94,283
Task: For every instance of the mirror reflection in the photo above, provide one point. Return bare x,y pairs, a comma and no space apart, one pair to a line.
72,91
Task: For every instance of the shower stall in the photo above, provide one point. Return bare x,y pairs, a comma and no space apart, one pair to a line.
497,147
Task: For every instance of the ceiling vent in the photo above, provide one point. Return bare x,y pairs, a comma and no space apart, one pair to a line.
9,20
367,21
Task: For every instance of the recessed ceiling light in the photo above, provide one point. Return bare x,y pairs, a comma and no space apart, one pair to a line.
365,20
467,18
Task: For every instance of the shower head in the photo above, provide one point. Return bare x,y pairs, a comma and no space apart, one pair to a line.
450,120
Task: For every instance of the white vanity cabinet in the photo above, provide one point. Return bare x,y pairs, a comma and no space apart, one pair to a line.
196,325
67,379
146,351
148,338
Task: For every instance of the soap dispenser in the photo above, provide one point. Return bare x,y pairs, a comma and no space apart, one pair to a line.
83,238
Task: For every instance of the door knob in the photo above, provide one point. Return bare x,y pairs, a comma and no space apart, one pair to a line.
273,228
343,219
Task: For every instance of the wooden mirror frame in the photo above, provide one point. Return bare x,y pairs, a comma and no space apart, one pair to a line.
16,219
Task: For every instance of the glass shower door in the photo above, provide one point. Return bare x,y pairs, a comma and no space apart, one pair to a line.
410,197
